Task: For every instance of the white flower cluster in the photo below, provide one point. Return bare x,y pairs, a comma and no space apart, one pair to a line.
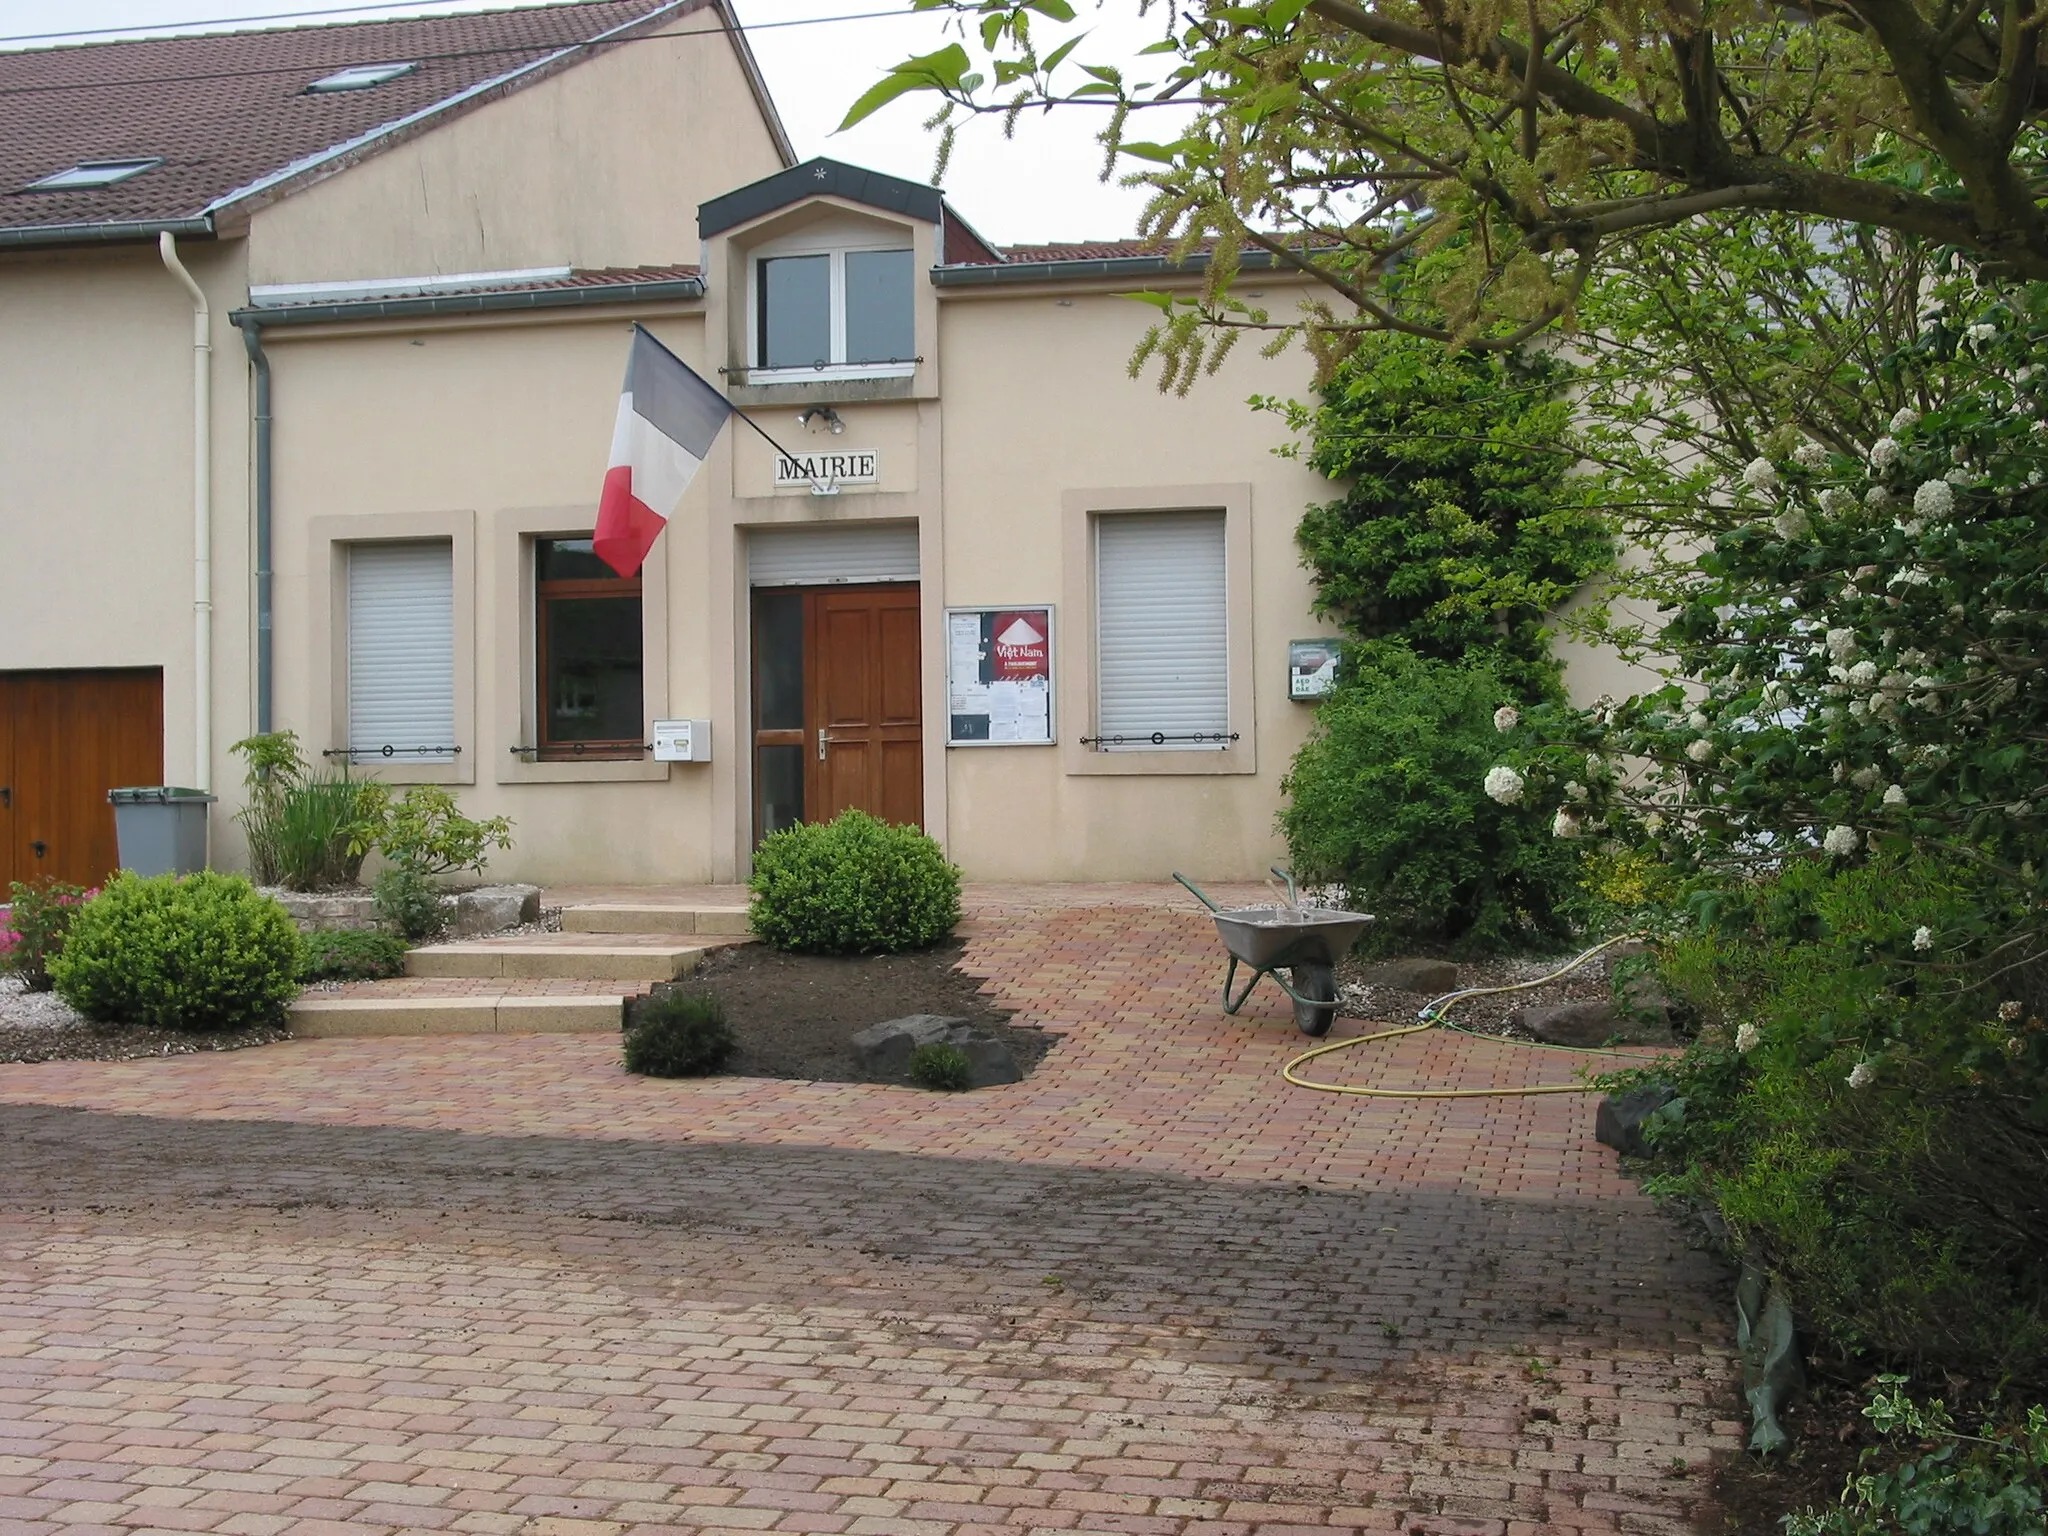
1841,644
1700,751
1934,500
2010,1010
1862,1075
1923,937
1506,718
1905,419
1504,784
1810,455
1791,524
1895,794
1877,498
1981,332
1884,453
1747,1037
1566,823
1835,501
1759,475
1841,841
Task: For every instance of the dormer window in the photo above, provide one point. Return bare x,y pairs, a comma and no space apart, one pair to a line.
359,77
95,173
843,311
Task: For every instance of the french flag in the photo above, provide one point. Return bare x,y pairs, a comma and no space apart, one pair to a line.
668,420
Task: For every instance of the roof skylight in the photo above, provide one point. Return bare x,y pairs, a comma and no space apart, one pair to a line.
360,77
95,173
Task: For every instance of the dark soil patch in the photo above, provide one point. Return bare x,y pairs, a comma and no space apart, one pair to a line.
795,1016
86,1041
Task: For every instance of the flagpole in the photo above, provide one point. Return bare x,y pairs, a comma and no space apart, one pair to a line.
743,416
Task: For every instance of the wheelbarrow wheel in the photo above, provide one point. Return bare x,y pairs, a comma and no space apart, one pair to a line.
1315,998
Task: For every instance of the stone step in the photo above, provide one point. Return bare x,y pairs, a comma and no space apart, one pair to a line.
654,917
314,1017
560,957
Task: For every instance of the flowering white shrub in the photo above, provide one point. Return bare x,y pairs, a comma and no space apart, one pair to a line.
1934,500
1862,1075
1841,841
1504,784
1506,718
1759,475
1747,1037
1923,937
1566,823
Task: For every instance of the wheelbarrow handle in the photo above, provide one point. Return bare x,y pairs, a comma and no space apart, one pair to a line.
1204,900
1287,875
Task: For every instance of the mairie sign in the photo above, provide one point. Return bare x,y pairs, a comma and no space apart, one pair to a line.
856,466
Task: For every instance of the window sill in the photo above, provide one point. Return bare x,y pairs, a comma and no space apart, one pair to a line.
583,770
806,387
1079,761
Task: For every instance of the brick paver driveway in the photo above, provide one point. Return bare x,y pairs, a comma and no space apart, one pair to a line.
494,1285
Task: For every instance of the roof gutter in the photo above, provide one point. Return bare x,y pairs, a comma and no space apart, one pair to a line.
666,290
200,227
985,275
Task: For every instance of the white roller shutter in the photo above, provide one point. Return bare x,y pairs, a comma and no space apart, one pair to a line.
1162,643
401,649
826,553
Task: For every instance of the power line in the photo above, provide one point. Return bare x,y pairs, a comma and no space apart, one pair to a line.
435,58
225,21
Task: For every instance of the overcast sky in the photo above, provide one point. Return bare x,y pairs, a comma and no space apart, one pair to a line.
1042,186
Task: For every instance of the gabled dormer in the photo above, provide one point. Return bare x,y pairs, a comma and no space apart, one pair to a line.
820,283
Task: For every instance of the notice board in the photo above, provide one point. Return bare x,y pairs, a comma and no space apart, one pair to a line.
999,677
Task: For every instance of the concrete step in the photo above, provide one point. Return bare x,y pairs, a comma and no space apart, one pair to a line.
561,957
653,917
315,1017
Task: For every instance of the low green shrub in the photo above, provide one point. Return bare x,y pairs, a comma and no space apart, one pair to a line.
1389,800
203,951
679,1034
852,886
427,832
939,1066
1866,1110
308,829
39,913
351,955
408,901
1993,1483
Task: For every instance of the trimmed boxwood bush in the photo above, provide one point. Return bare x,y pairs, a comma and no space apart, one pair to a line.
351,955
853,886
202,951
679,1034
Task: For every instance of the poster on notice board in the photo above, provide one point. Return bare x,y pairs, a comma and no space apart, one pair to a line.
999,677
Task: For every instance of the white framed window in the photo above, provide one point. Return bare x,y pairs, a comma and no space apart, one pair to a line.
833,308
401,651
1162,632
95,173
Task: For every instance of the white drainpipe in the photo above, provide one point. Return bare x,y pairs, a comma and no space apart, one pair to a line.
202,515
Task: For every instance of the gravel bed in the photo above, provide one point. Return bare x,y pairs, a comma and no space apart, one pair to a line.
1489,1015
41,1026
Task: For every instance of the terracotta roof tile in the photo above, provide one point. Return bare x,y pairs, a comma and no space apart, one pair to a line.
1087,250
226,109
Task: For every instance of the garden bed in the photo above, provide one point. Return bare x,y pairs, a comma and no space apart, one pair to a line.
1590,983
795,1016
41,1026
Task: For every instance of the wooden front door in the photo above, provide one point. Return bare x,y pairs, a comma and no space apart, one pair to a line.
66,738
838,704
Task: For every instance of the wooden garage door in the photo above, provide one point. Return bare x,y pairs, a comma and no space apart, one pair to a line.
66,738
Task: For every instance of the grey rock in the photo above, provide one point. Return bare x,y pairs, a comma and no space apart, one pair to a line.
885,1048
327,911
489,908
1589,1023
989,1062
1621,1117
1430,977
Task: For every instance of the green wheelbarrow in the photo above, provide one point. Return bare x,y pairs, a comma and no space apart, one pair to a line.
1305,942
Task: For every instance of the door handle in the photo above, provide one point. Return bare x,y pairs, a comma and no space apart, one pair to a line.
823,739
39,847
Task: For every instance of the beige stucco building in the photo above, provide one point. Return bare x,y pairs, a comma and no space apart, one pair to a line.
307,432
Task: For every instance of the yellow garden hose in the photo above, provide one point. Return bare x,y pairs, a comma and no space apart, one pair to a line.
1432,1017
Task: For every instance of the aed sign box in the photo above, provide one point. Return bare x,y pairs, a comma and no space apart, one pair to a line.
682,741
1311,668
